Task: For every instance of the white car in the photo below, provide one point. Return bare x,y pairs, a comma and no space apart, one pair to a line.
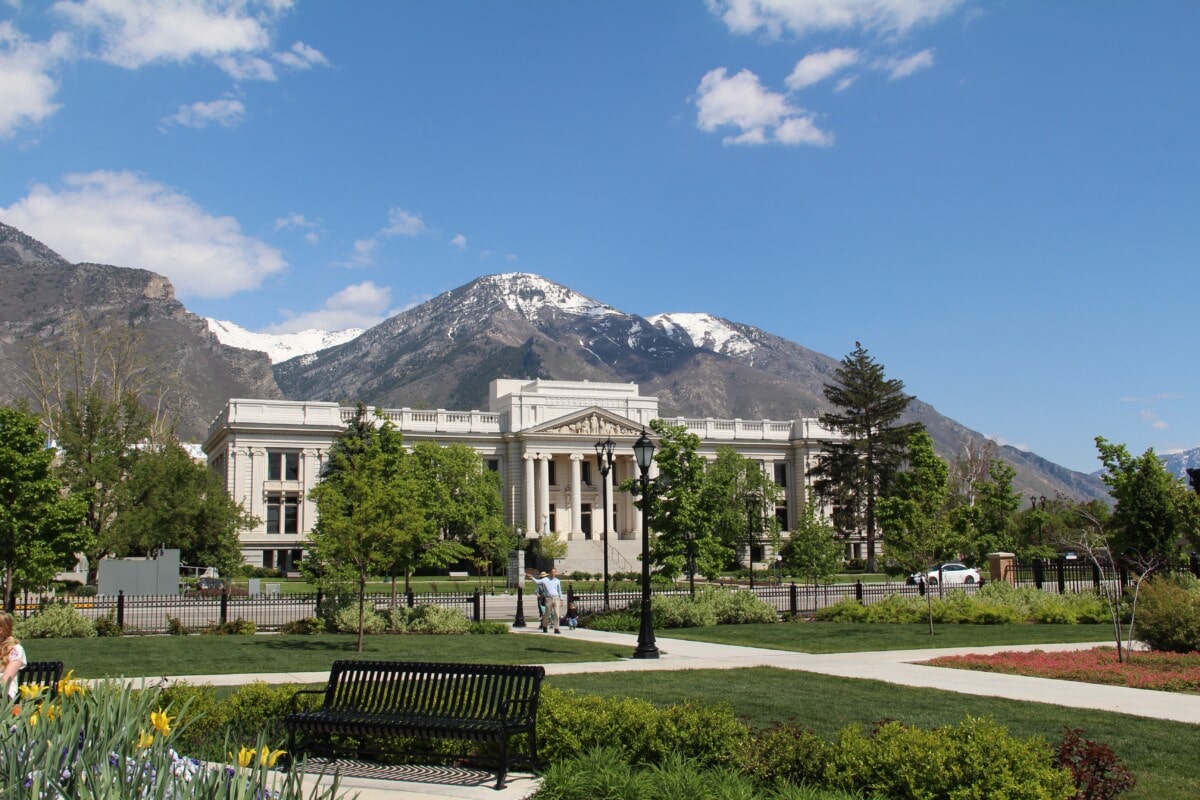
951,574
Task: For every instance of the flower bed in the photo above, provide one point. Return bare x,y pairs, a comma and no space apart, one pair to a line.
1168,672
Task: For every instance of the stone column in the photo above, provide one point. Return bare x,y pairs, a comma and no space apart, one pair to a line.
310,471
608,492
543,504
258,475
576,494
531,519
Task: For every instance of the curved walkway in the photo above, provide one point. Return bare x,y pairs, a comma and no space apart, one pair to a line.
894,666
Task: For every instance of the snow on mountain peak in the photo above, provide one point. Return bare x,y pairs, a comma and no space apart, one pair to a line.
527,294
706,331
280,346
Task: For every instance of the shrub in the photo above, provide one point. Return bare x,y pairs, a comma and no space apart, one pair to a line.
55,620
739,608
308,626
487,628
237,627
784,753
571,724
107,625
1168,617
676,611
175,626
975,759
617,619
1095,768
346,620
426,618
845,610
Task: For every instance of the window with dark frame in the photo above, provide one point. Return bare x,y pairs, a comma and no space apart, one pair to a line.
283,512
283,466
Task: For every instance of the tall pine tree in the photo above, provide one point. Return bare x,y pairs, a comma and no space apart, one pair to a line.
856,471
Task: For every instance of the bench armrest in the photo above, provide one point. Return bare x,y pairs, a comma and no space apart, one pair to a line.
295,697
517,709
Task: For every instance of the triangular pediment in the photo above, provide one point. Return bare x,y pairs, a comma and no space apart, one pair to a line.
590,422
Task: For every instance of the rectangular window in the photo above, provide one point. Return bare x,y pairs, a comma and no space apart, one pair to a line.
781,475
283,512
586,474
493,465
283,466
553,480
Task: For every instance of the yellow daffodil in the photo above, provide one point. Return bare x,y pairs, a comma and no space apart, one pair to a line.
68,686
144,739
31,690
33,719
267,757
245,756
161,722
51,712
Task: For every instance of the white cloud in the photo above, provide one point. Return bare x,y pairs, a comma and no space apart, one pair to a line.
802,17
816,67
299,221
226,112
403,223
27,81
762,116
360,305
121,218
246,68
302,57
459,241
898,68
133,33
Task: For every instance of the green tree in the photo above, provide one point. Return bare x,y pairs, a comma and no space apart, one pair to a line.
812,551
169,499
41,528
1154,512
858,469
739,503
677,513
98,438
988,525
369,516
917,513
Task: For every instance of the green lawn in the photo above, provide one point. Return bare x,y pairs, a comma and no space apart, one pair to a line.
1161,754
154,656
838,637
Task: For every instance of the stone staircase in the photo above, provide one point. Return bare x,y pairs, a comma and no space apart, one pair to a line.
587,555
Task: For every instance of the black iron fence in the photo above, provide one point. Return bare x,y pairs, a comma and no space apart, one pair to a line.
160,614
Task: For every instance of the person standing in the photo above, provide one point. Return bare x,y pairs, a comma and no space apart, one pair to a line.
552,589
12,656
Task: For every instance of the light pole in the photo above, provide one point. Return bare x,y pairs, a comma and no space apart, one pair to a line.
643,452
604,460
751,504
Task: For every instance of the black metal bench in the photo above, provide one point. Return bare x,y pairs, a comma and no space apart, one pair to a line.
472,702
47,673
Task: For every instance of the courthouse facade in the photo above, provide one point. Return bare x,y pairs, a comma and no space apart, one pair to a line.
538,435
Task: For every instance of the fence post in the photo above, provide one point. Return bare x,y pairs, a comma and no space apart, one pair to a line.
1039,573
1061,565
224,607
317,605
793,599
519,620
120,609
1194,562
409,599
475,611
1096,577
858,591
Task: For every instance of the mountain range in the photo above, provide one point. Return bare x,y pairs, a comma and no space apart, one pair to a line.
444,352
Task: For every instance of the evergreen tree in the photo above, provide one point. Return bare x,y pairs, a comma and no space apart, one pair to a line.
857,470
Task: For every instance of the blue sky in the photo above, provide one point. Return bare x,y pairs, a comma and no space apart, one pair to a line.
1001,200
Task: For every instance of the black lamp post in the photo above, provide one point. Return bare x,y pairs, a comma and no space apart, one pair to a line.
604,460
643,452
752,505
691,556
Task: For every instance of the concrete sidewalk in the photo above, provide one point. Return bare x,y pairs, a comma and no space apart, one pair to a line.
898,666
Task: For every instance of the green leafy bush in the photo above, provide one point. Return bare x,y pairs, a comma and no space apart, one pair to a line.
346,620
571,724
623,619
175,626
308,626
427,618
55,620
237,627
675,611
1168,617
845,610
488,628
977,759
107,625
785,753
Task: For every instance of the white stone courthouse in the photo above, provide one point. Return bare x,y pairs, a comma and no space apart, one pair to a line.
539,435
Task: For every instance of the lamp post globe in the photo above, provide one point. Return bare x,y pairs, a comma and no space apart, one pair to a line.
643,453
604,462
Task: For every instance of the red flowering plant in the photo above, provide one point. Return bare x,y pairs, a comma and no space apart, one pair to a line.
1170,672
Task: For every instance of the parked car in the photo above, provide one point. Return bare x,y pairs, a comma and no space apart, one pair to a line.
951,573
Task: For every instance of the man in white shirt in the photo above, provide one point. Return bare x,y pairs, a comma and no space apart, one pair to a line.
552,589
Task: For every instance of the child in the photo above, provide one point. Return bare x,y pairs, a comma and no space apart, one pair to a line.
12,657
572,616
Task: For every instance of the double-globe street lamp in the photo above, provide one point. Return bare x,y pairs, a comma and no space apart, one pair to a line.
643,452
604,461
